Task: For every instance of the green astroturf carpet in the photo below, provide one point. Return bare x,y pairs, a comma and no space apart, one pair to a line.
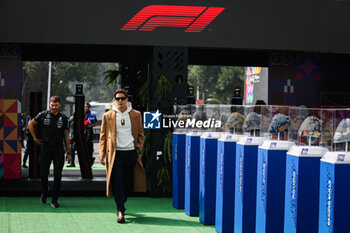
95,214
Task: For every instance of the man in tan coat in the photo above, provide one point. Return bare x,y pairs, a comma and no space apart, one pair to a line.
121,142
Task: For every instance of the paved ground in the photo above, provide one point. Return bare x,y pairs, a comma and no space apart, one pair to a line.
95,154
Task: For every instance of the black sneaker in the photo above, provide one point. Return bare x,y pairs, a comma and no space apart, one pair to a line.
43,198
71,165
55,205
24,166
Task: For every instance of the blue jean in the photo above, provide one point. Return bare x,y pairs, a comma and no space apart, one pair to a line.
122,176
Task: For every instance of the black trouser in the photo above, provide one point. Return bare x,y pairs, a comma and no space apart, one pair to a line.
122,176
90,146
47,155
73,148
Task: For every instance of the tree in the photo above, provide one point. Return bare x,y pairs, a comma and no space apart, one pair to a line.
203,78
64,77
229,78
34,79
100,91
216,81
64,73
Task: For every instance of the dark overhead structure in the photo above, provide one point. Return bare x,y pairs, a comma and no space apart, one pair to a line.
221,24
304,45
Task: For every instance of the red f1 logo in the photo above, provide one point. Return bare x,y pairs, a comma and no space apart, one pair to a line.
193,18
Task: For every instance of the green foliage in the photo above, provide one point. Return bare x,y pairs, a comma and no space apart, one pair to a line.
163,174
229,78
146,143
64,73
163,88
143,93
34,79
163,178
204,77
216,81
64,77
146,150
111,76
100,91
168,147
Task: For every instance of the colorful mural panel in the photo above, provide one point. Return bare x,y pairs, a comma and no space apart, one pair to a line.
10,111
256,84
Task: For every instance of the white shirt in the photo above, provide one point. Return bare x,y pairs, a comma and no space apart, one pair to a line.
125,140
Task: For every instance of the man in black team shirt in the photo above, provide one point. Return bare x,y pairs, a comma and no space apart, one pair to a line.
53,131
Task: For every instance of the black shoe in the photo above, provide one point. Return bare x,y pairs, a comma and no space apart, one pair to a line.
43,198
71,165
55,204
24,166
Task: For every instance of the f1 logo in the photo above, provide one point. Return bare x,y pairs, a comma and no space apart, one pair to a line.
193,18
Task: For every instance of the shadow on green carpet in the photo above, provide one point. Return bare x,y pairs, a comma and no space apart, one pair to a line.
146,219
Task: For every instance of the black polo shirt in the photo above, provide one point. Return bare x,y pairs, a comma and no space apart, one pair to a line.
51,128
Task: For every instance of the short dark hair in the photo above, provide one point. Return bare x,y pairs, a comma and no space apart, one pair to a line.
55,99
88,104
120,91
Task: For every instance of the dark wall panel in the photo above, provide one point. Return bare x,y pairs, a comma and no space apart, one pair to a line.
300,25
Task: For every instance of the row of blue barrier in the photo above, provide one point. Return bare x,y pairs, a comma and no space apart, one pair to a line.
252,184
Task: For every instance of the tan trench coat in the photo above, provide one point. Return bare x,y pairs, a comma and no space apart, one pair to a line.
108,147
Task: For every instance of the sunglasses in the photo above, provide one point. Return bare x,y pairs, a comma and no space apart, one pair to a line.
120,98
